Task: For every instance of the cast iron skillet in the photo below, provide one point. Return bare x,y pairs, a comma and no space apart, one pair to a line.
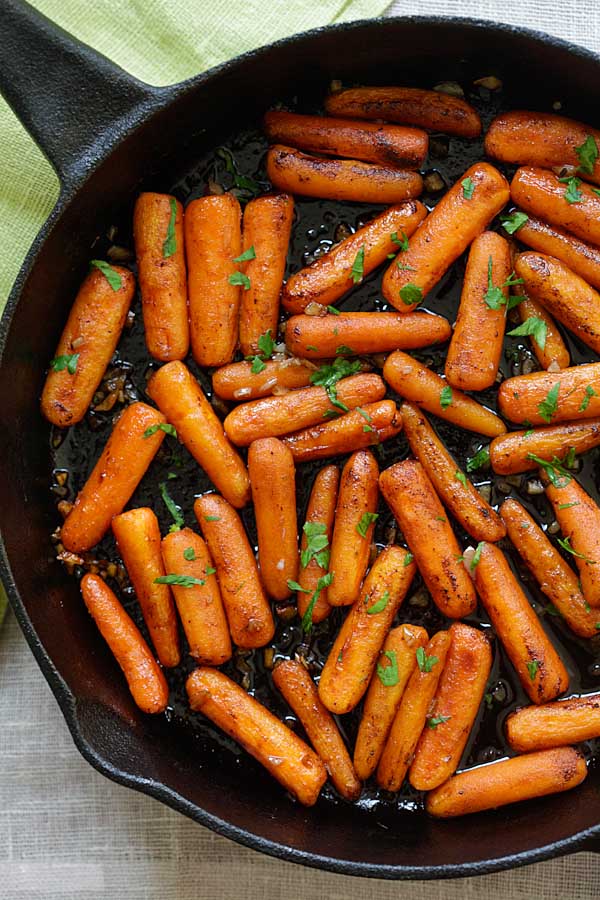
106,133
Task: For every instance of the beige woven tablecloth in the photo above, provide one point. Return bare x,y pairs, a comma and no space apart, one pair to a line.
67,833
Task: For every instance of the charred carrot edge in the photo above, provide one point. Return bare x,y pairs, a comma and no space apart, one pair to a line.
554,352
159,247
582,258
530,650
418,384
273,482
555,578
120,468
199,605
248,611
382,700
353,527
412,499
320,514
539,139
508,781
555,724
539,192
460,216
299,690
90,338
236,381
276,416
372,424
213,241
353,656
514,452
177,393
411,715
455,707
543,398
144,677
405,148
476,346
451,484
138,540
331,276
428,109
339,179
283,754
266,231
363,333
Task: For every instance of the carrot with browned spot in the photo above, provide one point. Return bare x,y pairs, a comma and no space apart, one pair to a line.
316,543
238,382
517,451
552,351
582,258
541,193
554,724
542,398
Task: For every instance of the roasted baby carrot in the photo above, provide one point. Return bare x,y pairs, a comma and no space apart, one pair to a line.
273,482
552,352
144,677
248,612
177,393
159,248
412,713
339,179
432,110
316,542
517,451
476,346
283,754
555,578
363,333
138,539
462,214
238,382
508,781
538,665
353,656
130,449
291,678
573,206
412,499
542,398
415,382
189,567
353,527
266,235
274,416
554,724
382,698
405,148
336,272
455,706
582,258
213,242
451,484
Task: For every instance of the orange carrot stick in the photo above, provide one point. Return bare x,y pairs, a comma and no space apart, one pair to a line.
541,193
237,381
582,258
316,541
542,398
554,350
514,452
555,724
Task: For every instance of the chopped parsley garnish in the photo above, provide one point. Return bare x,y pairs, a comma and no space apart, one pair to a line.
565,543
547,407
112,276
425,663
534,327
557,474
190,554
266,346
333,310
380,605
328,375
434,721
587,154
479,461
476,556
344,350
589,393
411,293
161,426
212,518
407,560
358,266
366,520
180,580
307,621
494,296
401,242
468,186
317,543
170,242
532,668
67,361
568,505
446,397
366,428
247,255
174,510
388,675
239,278
241,182
460,476
572,194
514,221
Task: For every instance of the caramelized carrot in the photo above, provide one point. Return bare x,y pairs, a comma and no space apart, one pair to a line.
144,676
318,527
331,276
462,214
213,241
339,179
122,464
476,346
138,540
248,612
544,397
582,258
508,781
541,193
273,481
412,499
283,754
554,350
452,486
382,700
411,716
237,381
554,724
199,600
353,527
455,707
538,665
353,656
266,232
517,451
177,393
291,678
159,248
415,382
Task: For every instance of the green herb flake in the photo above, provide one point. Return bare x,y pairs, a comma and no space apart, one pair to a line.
489,700
557,474
266,346
380,605
565,543
366,520
180,580
446,397
425,663
190,554
246,256
547,407
388,675
333,310
411,294
366,428
294,586
476,556
209,570
404,268
460,476
587,154
212,518
468,186
534,327
572,194
400,242
66,362
170,242
239,278
312,347
589,393
407,560
494,296
161,426
532,668
344,350
111,275
317,544
514,221
328,375
174,510
307,621
358,266
434,721
480,461
568,505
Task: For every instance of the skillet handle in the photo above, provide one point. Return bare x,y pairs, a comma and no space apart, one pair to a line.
68,96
